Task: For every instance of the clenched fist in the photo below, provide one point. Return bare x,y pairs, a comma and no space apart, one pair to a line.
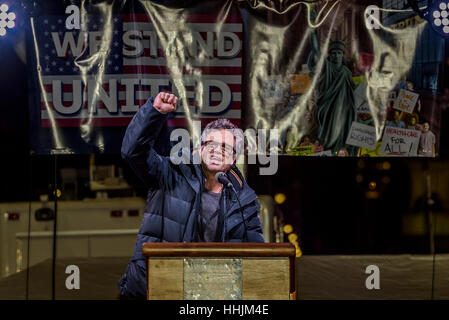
165,102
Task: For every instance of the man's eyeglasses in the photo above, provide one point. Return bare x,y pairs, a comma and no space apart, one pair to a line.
223,147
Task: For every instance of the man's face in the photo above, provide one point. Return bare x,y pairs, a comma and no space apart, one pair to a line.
426,127
218,150
382,77
336,56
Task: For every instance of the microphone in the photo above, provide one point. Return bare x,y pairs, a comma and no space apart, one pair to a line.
224,180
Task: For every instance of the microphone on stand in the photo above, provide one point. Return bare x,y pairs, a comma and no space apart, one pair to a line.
224,180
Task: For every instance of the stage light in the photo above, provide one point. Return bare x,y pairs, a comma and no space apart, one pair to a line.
292,237
288,228
279,198
6,19
436,15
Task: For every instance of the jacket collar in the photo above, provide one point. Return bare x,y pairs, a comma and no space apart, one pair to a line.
244,192
195,178
246,196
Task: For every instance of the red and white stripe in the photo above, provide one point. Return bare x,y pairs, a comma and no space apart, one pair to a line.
227,70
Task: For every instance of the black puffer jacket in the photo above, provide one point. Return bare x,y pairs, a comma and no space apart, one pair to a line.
174,198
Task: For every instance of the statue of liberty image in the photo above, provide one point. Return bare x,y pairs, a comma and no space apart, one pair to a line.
335,100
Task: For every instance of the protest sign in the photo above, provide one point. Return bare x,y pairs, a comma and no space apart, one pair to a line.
406,101
362,135
400,142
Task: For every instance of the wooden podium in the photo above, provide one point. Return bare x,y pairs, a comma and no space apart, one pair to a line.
220,271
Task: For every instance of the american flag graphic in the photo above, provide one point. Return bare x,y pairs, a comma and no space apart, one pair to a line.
83,82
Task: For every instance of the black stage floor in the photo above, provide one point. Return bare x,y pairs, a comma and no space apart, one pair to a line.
318,277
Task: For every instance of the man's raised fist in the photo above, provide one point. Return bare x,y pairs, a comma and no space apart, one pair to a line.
165,102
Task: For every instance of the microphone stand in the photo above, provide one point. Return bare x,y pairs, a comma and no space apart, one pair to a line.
224,180
229,185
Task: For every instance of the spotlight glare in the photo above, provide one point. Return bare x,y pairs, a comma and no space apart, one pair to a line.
12,15
3,23
288,228
2,31
4,7
436,14
3,16
10,24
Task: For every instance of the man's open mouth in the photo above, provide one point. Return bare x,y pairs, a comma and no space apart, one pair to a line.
215,159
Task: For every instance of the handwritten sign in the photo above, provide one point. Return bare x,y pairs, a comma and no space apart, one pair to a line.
400,142
361,105
326,153
305,150
364,152
358,80
299,83
362,135
406,101
363,109
273,89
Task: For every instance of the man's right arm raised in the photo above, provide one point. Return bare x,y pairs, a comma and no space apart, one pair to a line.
141,134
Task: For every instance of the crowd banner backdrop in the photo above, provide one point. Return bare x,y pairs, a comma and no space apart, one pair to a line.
331,76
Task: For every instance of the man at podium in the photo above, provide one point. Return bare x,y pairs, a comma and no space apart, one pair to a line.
202,200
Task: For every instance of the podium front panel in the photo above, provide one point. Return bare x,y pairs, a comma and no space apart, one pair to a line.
266,279
213,279
165,278
220,271
218,279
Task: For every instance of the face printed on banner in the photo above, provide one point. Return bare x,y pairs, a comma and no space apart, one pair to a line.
396,115
336,56
218,150
342,153
383,76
